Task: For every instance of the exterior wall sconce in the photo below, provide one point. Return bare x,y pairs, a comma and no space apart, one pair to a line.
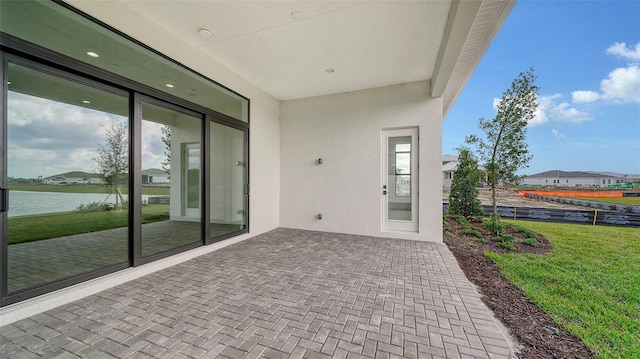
319,216
319,161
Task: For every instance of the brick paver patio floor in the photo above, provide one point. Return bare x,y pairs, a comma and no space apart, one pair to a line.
284,294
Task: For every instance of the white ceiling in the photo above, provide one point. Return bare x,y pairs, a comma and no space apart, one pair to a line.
286,47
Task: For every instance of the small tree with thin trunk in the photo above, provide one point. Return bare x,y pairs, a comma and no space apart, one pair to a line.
166,139
113,155
463,196
504,149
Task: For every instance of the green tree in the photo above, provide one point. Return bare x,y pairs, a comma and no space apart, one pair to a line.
113,155
463,197
166,139
504,150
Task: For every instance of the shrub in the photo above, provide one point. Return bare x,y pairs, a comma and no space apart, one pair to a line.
463,221
507,245
504,238
494,225
446,224
95,207
530,242
526,231
463,197
506,241
471,231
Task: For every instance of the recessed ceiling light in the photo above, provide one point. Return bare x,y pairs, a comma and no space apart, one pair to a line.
204,33
330,70
92,54
297,15
169,86
85,101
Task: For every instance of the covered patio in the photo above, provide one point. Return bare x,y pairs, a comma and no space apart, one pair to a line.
287,293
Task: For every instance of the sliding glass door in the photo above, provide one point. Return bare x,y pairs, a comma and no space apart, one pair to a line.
96,178
66,174
171,178
229,197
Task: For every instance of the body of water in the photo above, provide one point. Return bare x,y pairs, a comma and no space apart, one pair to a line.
23,203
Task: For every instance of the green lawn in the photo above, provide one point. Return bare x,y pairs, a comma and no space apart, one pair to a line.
52,225
80,188
589,283
629,201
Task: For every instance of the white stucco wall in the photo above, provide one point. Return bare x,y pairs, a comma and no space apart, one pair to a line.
345,130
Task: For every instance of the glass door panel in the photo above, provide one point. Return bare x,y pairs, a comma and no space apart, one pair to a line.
191,180
399,205
67,171
228,178
400,180
171,214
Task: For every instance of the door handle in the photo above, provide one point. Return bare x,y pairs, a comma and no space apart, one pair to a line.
4,200
384,193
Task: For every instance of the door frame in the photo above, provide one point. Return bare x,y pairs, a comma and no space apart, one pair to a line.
186,210
402,225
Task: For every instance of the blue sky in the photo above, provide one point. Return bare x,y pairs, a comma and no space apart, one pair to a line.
586,55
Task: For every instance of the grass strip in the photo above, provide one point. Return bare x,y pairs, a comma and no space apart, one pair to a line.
589,283
82,188
24,229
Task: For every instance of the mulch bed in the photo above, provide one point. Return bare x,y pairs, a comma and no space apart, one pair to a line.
536,333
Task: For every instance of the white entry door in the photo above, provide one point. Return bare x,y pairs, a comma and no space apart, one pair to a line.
400,180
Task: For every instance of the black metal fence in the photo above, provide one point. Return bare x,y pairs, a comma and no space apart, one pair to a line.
589,204
596,217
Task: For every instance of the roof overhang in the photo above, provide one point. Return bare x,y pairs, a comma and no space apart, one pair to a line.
287,48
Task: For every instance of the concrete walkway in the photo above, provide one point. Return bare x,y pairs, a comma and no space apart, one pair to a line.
284,294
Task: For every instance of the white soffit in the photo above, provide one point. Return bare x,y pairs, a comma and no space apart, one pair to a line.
488,20
286,47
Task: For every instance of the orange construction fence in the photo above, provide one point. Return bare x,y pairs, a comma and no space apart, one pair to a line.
592,194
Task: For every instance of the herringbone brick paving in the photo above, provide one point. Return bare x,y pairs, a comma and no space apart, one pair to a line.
284,294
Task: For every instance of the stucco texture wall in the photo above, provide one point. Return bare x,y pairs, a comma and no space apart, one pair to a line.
345,130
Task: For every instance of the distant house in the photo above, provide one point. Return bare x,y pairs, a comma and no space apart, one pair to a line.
557,178
449,166
155,176
74,177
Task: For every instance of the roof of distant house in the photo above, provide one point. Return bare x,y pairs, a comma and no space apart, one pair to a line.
450,163
76,174
577,174
448,158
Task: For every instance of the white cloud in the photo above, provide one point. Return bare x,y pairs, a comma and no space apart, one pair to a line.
584,96
48,137
557,134
623,84
551,109
628,53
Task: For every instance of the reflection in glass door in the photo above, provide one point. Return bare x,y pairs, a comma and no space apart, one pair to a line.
399,187
229,199
171,216
66,170
191,180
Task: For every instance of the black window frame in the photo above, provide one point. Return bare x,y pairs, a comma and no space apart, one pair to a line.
12,48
